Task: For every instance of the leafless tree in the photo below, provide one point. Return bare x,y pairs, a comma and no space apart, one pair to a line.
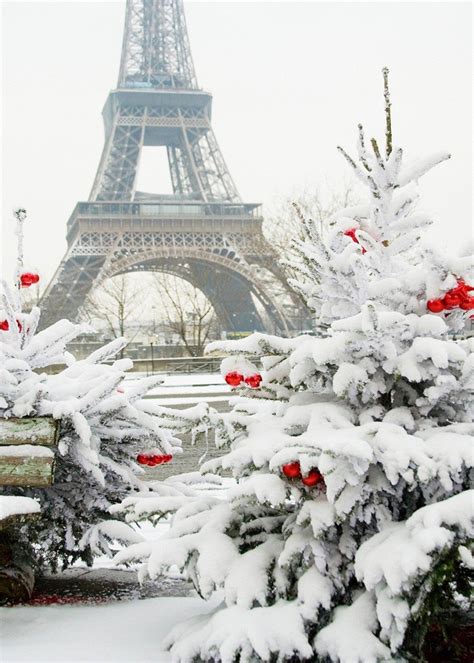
282,224
114,305
186,312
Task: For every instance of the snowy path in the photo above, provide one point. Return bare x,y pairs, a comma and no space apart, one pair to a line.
186,388
121,626
131,631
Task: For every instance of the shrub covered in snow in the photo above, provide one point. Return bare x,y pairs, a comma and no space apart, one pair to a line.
102,427
351,509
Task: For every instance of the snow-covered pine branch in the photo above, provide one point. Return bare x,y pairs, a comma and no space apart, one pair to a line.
103,427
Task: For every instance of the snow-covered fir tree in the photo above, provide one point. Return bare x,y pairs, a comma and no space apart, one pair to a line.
347,532
104,426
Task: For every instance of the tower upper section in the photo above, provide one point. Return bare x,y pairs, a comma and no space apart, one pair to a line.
158,103
155,51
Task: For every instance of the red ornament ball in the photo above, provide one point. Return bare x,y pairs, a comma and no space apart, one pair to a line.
254,380
351,232
467,304
234,378
28,278
314,477
292,470
451,300
4,326
435,305
153,459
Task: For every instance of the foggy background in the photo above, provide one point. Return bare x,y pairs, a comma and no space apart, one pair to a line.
290,81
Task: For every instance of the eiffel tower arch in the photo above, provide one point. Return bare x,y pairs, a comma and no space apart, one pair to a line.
203,232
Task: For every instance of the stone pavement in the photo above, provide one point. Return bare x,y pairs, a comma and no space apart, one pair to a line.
188,461
79,585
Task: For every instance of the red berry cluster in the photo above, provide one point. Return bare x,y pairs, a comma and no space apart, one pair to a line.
152,459
351,232
234,379
28,278
457,297
293,471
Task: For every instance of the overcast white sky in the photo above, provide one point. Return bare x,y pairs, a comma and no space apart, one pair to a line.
290,80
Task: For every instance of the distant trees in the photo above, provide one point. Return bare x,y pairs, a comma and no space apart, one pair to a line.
186,312
115,305
282,224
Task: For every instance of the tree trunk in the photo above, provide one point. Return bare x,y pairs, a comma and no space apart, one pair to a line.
17,577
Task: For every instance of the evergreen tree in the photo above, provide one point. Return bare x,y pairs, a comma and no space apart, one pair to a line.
347,532
103,428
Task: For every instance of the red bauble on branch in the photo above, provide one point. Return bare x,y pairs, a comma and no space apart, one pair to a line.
457,297
28,278
234,378
435,305
451,300
153,459
253,381
4,326
292,470
313,478
146,459
351,232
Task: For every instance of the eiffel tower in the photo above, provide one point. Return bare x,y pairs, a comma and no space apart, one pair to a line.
202,233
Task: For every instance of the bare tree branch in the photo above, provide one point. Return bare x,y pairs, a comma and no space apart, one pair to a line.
114,305
284,223
186,312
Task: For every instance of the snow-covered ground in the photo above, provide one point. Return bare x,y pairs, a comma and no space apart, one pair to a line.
125,630
186,388
131,631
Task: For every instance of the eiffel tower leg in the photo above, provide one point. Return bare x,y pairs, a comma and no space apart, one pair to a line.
69,287
116,175
230,296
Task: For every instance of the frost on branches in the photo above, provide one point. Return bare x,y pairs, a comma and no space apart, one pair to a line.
347,532
103,427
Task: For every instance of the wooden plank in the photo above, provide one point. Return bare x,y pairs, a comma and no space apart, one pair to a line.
35,471
16,509
29,430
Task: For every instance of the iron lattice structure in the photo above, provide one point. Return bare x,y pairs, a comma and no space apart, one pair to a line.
203,233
